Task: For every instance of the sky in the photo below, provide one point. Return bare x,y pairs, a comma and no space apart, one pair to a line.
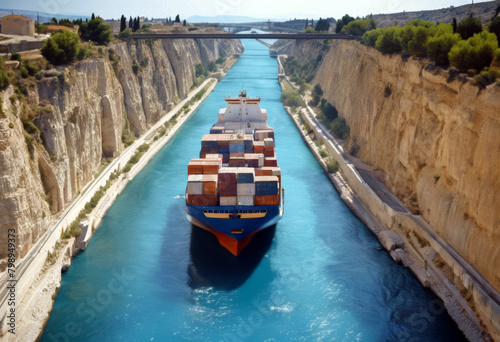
265,9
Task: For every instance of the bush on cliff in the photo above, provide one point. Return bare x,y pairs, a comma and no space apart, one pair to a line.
389,41
475,53
469,27
359,27
96,32
439,47
63,47
370,37
495,27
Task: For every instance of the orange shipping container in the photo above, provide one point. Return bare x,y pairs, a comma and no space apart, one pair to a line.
264,171
267,200
210,188
195,167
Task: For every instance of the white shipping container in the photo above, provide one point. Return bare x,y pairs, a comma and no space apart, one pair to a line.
269,142
246,189
246,200
195,185
227,200
261,160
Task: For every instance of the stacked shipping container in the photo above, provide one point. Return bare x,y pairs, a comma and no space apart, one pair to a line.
235,169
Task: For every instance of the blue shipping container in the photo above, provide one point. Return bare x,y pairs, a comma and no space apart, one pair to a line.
245,178
264,188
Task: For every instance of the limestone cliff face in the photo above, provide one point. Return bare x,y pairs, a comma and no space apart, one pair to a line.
437,141
81,115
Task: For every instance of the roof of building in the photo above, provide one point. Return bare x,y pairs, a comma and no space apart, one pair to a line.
15,17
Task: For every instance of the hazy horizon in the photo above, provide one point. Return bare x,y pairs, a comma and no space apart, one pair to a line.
258,9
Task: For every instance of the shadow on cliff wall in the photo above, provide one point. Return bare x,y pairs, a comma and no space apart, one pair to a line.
213,265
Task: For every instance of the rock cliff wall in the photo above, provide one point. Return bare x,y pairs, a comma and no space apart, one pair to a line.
81,112
436,139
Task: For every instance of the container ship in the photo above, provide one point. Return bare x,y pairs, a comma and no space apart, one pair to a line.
234,189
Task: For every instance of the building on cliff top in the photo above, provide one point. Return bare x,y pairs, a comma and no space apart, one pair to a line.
17,24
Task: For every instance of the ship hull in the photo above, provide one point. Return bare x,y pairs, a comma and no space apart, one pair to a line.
234,233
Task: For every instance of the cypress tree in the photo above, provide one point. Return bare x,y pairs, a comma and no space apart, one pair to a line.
130,23
177,19
307,20
123,23
454,25
93,17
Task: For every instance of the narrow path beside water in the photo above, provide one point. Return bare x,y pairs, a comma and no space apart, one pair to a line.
319,275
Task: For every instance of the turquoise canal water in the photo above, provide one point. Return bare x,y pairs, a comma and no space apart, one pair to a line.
318,275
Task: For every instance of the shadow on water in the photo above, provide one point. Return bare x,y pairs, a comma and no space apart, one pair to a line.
214,266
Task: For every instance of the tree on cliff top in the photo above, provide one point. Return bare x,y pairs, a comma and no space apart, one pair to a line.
346,19
475,53
63,47
123,23
177,19
469,27
322,25
359,27
96,32
495,27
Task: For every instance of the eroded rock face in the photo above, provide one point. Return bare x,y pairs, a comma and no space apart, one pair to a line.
82,114
438,142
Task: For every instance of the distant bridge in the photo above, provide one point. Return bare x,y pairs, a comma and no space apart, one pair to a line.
190,35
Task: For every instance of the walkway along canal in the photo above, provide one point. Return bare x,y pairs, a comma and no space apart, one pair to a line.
320,274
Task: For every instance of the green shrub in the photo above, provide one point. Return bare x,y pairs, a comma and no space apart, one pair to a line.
144,62
291,98
476,52
469,27
389,41
332,166
4,80
96,32
339,128
420,23
15,57
143,148
135,68
199,70
317,90
495,27
370,37
211,67
125,34
417,46
220,60
323,153
359,27
127,168
439,47
61,48
83,53
41,29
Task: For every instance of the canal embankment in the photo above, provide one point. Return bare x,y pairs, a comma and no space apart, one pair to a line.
45,284
407,238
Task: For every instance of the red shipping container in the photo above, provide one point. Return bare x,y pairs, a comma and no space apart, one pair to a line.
267,200
205,200
270,162
227,184
237,162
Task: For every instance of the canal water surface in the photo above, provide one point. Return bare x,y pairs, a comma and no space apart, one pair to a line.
318,275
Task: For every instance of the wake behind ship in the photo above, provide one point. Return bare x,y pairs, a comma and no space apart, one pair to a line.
234,188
